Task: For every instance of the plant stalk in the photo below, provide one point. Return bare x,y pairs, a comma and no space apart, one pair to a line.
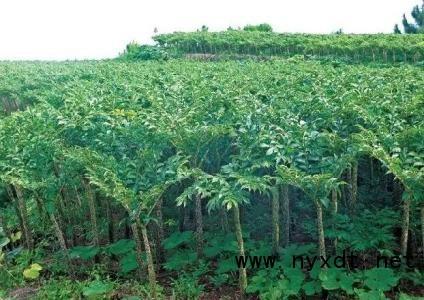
242,271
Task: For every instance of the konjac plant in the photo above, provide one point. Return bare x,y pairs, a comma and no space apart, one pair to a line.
128,179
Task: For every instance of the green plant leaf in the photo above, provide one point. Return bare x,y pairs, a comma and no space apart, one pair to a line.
16,236
346,283
96,288
33,272
180,260
382,279
128,263
176,239
84,252
370,295
226,265
312,287
121,247
4,241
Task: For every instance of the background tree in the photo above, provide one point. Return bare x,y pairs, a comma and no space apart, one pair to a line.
417,26
264,27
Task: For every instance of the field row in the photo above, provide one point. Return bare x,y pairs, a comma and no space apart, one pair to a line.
383,48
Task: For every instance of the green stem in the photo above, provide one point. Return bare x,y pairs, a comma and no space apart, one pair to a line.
405,226
242,271
199,227
224,220
354,186
139,249
275,212
93,213
24,216
285,214
320,227
422,225
159,231
150,264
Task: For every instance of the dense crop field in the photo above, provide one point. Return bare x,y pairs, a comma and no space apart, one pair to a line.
354,47
137,180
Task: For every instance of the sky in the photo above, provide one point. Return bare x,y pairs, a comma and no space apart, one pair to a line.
95,29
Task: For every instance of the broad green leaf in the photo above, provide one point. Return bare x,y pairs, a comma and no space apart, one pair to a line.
177,238
16,236
84,252
312,288
128,263
33,272
96,288
4,241
370,295
180,259
121,247
226,265
382,279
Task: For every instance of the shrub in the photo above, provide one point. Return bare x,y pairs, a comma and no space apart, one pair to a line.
264,27
135,51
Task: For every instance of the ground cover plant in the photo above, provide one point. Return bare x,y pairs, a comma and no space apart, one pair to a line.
129,179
